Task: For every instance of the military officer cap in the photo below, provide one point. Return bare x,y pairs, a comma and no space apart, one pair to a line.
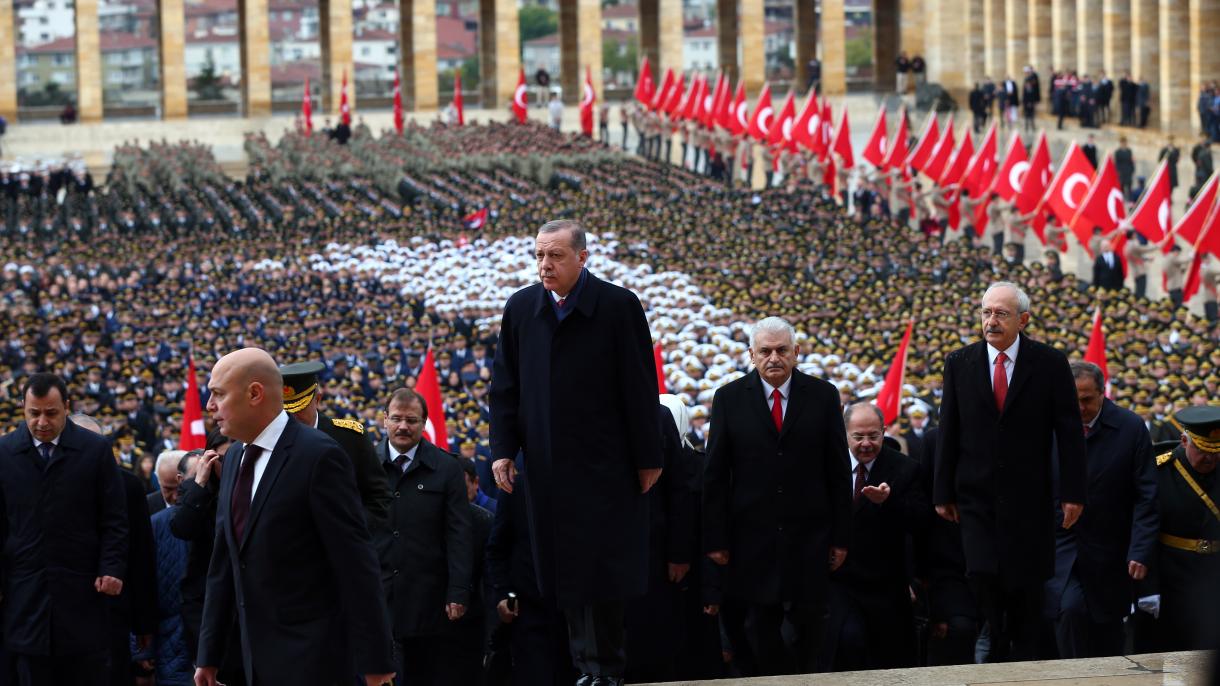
1202,424
300,384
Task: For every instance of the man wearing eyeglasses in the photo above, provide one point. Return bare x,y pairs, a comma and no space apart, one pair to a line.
1008,402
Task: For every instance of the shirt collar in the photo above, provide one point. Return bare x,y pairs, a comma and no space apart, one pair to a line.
783,389
54,442
570,299
393,453
868,466
992,353
271,434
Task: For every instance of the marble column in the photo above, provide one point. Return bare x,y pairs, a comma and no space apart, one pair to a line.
88,62
886,36
650,40
499,52
417,48
754,46
669,35
948,28
580,46
1041,53
995,59
1177,102
335,18
1063,35
726,38
834,48
805,17
911,18
1088,56
1145,49
1204,49
970,29
255,58
8,63
1116,38
1016,25
173,59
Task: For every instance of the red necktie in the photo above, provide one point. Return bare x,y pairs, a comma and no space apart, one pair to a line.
777,409
243,491
861,479
999,381
559,303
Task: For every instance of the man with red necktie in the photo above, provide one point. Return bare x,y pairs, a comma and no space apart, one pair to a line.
777,501
1008,401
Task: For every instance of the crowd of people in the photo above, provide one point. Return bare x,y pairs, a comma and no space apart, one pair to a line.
364,259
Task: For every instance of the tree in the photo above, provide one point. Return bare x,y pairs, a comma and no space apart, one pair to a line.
620,58
207,83
536,21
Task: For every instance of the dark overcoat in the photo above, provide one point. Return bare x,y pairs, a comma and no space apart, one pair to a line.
579,398
996,466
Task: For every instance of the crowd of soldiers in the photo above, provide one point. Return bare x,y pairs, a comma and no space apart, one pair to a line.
171,260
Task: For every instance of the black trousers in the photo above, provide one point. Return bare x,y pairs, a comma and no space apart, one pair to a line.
1175,296
596,638
956,646
763,628
867,628
1141,285
426,661
1077,634
61,670
1014,615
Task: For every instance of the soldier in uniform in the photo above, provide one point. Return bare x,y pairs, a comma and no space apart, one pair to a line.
1189,542
301,400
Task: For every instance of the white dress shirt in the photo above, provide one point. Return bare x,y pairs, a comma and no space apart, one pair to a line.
992,353
868,470
394,455
783,393
267,441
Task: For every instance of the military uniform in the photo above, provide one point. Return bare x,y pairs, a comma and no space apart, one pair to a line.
1188,563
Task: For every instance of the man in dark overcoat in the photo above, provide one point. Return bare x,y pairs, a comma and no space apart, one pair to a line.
574,388
1008,401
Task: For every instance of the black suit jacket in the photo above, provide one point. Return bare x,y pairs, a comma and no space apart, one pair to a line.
64,525
1121,522
426,549
154,501
1105,276
996,466
777,500
303,582
370,479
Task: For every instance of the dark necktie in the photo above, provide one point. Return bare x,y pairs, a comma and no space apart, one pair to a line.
244,490
46,450
861,480
999,381
402,461
777,409
1087,430
559,303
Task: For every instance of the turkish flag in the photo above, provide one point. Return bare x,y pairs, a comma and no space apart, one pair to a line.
889,398
842,143
829,176
457,98
645,88
345,110
827,130
1190,226
897,154
677,96
1008,180
875,149
588,101
938,161
307,109
736,112
690,111
398,115
1102,207
1209,239
803,129
1151,215
429,387
659,362
787,116
956,168
764,116
719,95
1096,352
1033,188
922,152
660,97
521,97
477,219
192,434
1070,185
981,169
707,103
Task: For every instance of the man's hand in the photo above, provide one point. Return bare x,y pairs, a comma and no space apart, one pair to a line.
876,494
1071,512
206,676
211,461
379,679
948,512
506,615
1136,570
505,473
454,611
837,557
711,610
677,572
648,478
108,585
720,557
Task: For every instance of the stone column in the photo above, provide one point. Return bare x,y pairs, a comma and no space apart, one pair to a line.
650,41
886,35
8,63
173,59
948,27
1204,50
1116,38
911,21
834,48
499,52
1041,54
1088,57
1177,102
995,58
726,38
417,45
88,62
580,46
255,58
1145,49
1016,25
805,18
1063,35
753,45
669,35
970,28
335,18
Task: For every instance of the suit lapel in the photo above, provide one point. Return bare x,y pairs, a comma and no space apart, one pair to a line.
1022,370
982,377
759,402
275,464
796,403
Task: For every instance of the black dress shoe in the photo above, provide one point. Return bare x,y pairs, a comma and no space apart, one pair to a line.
608,681
586,680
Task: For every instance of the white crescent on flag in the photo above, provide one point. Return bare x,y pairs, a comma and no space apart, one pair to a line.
740,113
1162,215
588,99
815,123
881,144
1016,175
788,129
764,119
1069,189
1113,202
519,95
429,431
